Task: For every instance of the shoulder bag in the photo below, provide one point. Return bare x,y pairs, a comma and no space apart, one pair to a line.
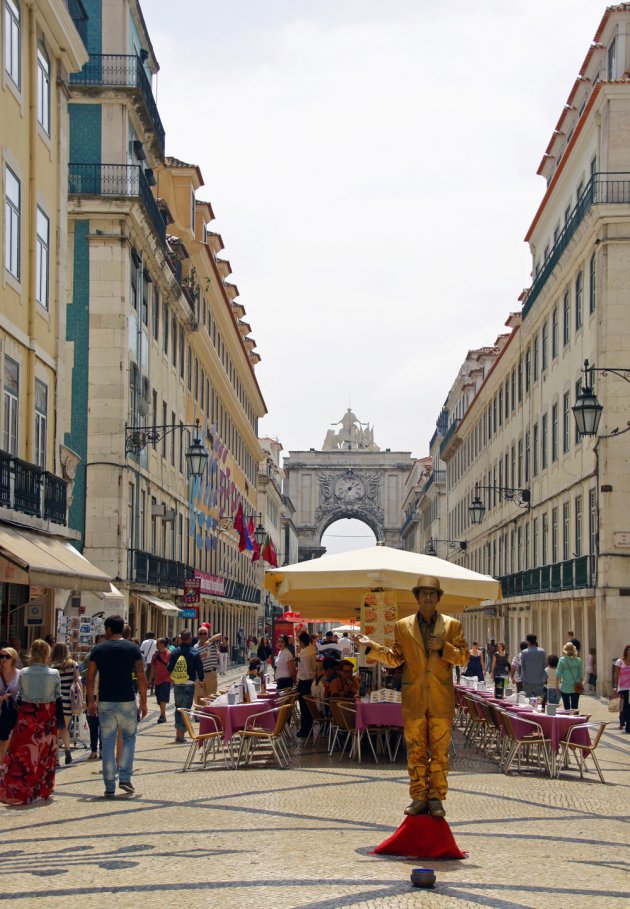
579,687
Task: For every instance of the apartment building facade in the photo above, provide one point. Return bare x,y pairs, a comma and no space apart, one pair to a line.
42,46
554,528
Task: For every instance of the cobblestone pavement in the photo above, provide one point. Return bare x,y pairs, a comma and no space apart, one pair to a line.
301,837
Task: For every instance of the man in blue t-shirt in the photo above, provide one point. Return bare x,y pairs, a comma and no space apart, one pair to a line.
115,660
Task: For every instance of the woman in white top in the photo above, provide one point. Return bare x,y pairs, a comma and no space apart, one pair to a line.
285,664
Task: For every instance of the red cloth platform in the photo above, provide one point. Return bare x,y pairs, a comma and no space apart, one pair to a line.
422,836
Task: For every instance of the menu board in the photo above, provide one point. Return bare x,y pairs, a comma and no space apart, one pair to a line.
379,614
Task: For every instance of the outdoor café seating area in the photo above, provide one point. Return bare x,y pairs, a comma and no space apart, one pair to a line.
519,735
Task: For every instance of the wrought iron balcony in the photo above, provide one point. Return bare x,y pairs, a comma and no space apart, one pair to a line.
448,435
125,181
601,189
155,571
125,72
572,574
31,490
436,476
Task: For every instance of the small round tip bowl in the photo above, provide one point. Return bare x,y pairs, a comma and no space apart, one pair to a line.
423,877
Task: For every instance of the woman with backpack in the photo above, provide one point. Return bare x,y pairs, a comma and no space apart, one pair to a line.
71,690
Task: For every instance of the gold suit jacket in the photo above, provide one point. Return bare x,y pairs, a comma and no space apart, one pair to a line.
427,686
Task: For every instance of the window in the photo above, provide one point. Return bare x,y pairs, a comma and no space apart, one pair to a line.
153,525
500,405
543,441
544,345
554,432
528,368
189,369
513,389
164,424
142,518
535,445
566,421
527,456
12,194
134,280
12,40
192,212
154,411
592,521
544,537
579,287
527,562
592,285
146,291
11,397
173,438
133,392
520,381
42,259
536,357
196,389
577,516
41,423
182,363
174,342
43,90
611,68
165,324
535,544
519,463
554,535
155,315
554,335
566,318
565,531
507,398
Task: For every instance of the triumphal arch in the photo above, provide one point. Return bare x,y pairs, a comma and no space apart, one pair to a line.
349,477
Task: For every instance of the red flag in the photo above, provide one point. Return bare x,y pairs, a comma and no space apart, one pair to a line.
269,553
274,555
255,545
239,526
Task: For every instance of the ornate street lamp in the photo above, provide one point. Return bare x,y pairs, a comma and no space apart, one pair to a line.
477,509
138,437
196,458
431,549
587,410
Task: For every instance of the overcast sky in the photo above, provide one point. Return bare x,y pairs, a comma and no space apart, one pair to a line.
372,168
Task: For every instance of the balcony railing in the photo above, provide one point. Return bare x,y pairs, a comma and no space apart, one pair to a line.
31,490
601,189
572,574
149,569
436,476
125,181
448,435
122,71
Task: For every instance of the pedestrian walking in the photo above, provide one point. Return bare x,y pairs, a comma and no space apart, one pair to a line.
621,682
116,660
185,668
28,769
208,650
305,679
430,644
491,649
569,675
160,678
500,667
69,674
474,669
148,648
223,655
265,653
9,678
533,662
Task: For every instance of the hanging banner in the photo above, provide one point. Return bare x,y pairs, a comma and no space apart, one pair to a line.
379,614
192,591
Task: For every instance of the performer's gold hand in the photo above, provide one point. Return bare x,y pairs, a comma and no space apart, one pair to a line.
361,640
435,643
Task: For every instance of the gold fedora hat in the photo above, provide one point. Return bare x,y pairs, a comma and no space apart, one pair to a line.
427,582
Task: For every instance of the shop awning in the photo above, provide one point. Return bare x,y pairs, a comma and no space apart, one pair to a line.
165,605
29,557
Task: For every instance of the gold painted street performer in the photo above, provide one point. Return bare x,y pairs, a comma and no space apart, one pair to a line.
429,644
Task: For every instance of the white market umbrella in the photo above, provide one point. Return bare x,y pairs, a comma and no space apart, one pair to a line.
333,585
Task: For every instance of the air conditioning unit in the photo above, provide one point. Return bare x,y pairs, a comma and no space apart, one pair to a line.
169,514
142,407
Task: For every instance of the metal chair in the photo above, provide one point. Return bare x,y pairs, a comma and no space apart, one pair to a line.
346,720
203,743
254,734
320,720
517,741
579,751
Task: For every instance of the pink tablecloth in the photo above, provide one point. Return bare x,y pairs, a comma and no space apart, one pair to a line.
554,727
233,716
382,714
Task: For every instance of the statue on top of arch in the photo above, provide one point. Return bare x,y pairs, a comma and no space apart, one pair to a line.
353,435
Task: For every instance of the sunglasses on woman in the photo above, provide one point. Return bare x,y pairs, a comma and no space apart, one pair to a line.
5,656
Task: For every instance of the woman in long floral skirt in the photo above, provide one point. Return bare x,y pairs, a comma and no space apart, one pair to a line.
28,770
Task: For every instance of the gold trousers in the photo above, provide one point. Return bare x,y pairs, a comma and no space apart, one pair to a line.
428,741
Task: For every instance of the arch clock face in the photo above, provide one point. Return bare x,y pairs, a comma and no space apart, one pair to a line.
349,489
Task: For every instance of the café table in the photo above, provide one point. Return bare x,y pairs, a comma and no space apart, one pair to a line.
555,728
387,714
234,716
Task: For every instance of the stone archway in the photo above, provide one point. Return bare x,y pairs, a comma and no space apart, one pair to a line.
350,477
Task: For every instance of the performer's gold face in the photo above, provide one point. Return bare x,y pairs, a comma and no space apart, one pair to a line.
427,602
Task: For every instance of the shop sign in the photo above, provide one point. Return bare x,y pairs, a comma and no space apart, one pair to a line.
192,590
210,584
34,614
190,613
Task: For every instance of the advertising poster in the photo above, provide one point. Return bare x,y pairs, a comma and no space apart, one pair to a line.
379,614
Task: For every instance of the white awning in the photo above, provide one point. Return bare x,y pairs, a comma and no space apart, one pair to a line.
107,602
165,605
29,557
